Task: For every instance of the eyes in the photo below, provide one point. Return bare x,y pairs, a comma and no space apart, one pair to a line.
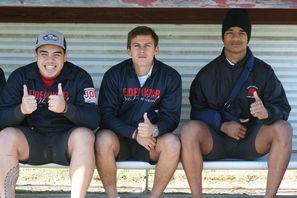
55,55
145,46
231,33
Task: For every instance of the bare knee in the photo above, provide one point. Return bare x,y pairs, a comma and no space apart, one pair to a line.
106,141
11,139
282,131
82,140
192,130
170,143
82,136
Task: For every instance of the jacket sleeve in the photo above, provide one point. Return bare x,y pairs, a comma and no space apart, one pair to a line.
274,99
2,79
109,103
85,111
10,100
197,97
170,107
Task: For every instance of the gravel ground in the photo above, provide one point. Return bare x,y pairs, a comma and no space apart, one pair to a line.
216,184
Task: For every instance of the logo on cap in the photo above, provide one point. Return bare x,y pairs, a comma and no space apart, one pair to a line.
50,37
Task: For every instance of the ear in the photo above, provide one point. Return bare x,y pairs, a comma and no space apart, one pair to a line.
129,51
157,50
65,57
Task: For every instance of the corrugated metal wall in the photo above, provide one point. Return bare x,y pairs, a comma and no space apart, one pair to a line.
96,47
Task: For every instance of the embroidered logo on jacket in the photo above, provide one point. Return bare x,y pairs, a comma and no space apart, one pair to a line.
251,90
90,95
42,96
143,94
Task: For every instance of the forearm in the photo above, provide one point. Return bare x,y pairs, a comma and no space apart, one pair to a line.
11,116
83,117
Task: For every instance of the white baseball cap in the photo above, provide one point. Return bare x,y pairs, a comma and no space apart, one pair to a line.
51,37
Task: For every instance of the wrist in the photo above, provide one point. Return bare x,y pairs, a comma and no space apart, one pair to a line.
155,131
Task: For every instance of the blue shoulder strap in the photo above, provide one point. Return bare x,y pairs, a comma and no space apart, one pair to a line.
244,76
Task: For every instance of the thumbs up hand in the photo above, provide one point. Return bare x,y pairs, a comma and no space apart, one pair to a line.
57,103
258,109
29,103
145,128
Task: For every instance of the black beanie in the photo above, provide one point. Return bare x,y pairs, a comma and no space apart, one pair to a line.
237,17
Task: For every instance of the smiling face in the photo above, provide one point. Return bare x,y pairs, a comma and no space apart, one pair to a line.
50,60
235,42
142,51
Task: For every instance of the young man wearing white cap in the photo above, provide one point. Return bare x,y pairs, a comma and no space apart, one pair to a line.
47,113
246,124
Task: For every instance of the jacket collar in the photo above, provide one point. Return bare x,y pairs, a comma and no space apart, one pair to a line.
132,70
241,63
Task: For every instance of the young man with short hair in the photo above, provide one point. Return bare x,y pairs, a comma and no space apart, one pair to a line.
140,105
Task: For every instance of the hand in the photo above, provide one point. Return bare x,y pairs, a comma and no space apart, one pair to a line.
147,142
29,103
57,103
145,128
257,108
234,130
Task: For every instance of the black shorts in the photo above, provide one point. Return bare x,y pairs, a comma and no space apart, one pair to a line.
226,147
130,150
46,148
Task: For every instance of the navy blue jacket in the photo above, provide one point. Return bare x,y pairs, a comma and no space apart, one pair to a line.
123,102
214,83
78,90
2,79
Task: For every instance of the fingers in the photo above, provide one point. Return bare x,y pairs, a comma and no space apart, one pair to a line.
257,98
60,90
25,90
242,132
151,145
147,142
59,94
258,109
146,119
56,103
29,103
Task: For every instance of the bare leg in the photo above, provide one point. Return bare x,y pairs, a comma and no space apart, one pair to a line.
13,147
167,152
107,147
82,165
196,140
277,140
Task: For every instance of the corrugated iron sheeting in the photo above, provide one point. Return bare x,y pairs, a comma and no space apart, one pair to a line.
96,47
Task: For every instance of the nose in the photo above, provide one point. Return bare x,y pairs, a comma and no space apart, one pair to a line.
142,49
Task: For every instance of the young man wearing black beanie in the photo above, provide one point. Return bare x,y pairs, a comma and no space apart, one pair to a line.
249,126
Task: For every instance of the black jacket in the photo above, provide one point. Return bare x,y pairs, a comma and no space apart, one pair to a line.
78,90
2,79
214,83
123,102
